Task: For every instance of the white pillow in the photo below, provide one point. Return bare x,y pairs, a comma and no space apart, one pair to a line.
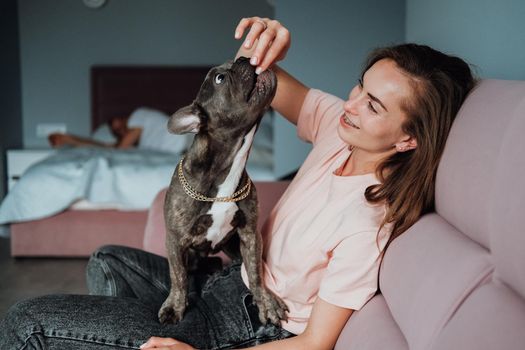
103,134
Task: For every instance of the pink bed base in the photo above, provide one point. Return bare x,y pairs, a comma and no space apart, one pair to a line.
77,233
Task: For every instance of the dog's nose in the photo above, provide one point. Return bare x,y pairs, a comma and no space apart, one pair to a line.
242,59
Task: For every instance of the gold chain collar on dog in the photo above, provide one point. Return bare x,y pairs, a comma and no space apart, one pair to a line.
190,191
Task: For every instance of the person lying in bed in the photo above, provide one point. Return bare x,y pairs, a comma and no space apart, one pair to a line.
145,128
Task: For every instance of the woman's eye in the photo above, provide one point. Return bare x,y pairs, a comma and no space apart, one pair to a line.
219,78
371,107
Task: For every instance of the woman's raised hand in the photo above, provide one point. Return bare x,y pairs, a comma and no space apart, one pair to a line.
267,41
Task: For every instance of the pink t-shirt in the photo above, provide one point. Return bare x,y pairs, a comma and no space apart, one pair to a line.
320,239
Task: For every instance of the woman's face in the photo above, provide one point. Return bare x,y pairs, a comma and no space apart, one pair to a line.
373,116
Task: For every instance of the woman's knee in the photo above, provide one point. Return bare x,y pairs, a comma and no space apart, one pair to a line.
20,325
109,250
109,267
99,275
20,310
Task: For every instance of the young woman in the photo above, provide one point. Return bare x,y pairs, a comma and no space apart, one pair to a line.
369,177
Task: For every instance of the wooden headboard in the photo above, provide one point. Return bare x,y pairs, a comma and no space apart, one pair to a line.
119,90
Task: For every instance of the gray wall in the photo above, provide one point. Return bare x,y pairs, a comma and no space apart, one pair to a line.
330,40
10,104
61,39
489,34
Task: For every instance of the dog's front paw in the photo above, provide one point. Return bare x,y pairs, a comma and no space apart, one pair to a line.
169,312
271,308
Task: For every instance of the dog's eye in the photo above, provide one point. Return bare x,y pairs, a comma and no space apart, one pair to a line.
219,78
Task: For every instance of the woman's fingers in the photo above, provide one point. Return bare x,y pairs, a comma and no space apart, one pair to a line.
263,43
269,40
241,27
156,342
275,50
244,23
257,27
165,344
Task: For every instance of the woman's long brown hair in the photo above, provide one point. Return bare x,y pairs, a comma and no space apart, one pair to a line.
407,179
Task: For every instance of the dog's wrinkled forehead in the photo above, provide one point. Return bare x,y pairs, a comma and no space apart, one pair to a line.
231,81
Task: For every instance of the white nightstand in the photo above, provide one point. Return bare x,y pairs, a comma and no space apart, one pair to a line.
18,160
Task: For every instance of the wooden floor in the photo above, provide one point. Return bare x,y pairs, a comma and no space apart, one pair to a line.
23,278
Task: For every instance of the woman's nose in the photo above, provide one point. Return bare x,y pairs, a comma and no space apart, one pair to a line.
351,105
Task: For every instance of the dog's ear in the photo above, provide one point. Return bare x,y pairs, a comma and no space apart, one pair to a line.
187,119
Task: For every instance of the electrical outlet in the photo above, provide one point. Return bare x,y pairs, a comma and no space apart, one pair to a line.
44,129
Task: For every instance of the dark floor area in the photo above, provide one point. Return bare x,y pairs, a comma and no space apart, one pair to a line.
22,278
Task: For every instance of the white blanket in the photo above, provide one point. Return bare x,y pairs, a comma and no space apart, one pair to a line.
129,179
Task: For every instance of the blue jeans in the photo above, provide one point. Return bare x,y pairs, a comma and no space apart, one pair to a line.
127,287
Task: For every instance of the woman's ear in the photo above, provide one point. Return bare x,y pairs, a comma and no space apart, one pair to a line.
187,119
407,145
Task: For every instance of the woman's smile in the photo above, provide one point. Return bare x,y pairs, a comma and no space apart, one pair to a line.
346,122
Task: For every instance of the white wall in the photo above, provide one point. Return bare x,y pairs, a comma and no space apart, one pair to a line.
489,34
330,40
61,39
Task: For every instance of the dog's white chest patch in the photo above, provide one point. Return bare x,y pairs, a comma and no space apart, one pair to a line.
222,212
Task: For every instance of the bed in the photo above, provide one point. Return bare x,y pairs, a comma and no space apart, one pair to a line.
104,195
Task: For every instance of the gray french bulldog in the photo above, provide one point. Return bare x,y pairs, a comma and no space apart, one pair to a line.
211,204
